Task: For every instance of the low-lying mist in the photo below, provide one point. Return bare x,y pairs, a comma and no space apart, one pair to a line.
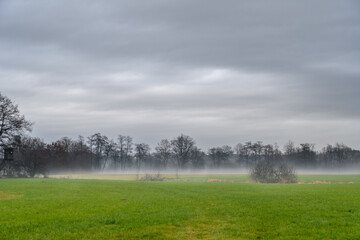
221,171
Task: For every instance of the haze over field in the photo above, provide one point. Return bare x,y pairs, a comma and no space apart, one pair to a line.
179,119
222,72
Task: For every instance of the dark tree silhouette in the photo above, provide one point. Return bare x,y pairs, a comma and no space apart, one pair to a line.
197,158
181,147
32,157
162,154
125,145
97,144
142,153
219,155
12,123
266,172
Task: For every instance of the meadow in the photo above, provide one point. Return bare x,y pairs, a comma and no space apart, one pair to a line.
192,207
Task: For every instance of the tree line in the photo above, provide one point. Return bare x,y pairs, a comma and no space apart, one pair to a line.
98,152
30,155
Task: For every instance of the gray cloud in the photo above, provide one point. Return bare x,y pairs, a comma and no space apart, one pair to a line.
222,72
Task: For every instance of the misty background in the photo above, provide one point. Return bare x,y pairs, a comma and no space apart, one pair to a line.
222,72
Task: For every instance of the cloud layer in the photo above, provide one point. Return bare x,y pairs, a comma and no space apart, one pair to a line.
222,72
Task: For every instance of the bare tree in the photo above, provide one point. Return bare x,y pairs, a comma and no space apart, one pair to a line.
11,121
240,154
109,152
59,152
162,154
306,152
121,145
97,145
197,158
290,152
181,147
142,153
272,153
219,155
289,148
125,145
81,155
337,155
128,151
244,153
257,150
32,157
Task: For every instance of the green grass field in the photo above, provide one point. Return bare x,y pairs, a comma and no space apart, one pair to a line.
189,208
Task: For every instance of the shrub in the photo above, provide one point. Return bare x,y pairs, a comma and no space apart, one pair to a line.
266,172
149,177
286,174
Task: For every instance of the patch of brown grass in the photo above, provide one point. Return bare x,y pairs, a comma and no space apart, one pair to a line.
4,195
214,180
325,182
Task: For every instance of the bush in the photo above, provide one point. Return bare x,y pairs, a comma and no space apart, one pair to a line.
266,172
286,174
149,177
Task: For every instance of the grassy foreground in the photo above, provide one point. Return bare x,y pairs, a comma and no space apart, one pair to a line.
98,209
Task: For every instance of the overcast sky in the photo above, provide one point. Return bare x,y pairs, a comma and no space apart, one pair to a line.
222,72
